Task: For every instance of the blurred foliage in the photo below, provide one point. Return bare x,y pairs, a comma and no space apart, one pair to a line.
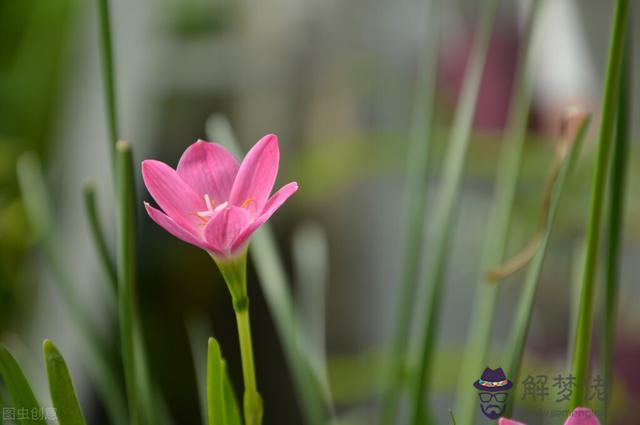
192,18
32,36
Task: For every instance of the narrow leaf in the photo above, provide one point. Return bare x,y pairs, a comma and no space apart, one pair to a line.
61,388
416,200
520,329
496,234
215,385
231,409
20,391
446,207
582,346
127,306
108,72
311,264
615,219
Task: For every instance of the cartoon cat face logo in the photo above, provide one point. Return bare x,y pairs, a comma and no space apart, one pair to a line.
493,387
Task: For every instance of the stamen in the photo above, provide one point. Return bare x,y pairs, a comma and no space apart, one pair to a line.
247,202
204,214
220,207
207,201
212,209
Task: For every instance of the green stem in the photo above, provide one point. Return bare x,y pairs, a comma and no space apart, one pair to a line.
234,272
108,71
97,233
315,404
252,400
496,235
246,350
416,199
446,205
583,334
617,188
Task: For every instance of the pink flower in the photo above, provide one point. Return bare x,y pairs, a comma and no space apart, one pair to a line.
505,421
580,416
213,202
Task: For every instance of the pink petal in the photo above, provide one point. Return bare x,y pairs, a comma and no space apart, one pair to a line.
505,421
176,198
582,416
271,207
172,227
257,174
208,168
224,227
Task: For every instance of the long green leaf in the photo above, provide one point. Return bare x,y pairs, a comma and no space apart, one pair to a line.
222,405
311,264
275,286
446,206
216,409
496,235
145,402
100,364
615,219
127,307
20,391
108,73
232,410
416,200
61,388
582,345
520,329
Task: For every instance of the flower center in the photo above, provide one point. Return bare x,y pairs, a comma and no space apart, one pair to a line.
213,208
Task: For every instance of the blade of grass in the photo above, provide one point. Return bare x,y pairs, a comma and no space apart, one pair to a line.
231,402
63,394
216,409
125,225
275,286
108,72
615,219
100,364
311,264
583,334
95,225
446,205
145,401
520,329
497,233
577,267
20,391
416,200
